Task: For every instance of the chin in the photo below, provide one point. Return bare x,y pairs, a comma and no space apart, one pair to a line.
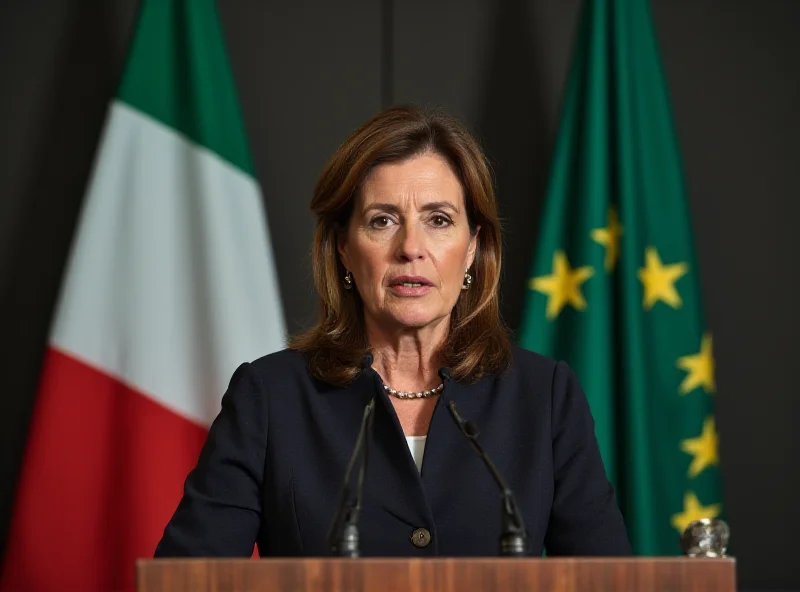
414,322
415,319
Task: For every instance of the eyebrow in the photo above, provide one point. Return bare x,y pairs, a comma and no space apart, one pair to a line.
390,207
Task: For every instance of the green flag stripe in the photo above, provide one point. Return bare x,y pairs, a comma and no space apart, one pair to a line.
637,490
178,73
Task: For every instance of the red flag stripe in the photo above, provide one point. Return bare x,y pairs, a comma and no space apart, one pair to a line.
103,472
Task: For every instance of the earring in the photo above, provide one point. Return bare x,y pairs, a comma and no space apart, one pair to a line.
467,281
348,281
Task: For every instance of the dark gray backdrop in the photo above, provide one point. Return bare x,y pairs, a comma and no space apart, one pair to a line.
310,71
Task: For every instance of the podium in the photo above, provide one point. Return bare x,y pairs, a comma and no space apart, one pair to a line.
649,574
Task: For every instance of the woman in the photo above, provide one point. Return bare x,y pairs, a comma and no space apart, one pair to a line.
407,264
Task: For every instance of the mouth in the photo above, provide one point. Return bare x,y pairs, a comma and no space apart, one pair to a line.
410,281
407,285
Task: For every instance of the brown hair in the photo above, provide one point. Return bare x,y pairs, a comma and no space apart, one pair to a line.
478,341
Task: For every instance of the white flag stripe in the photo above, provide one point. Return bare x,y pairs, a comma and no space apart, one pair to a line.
171,282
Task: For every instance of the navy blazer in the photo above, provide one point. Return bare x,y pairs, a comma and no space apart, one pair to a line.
272,467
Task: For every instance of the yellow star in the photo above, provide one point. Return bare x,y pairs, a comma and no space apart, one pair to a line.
563,286
609,238
703,448
692,510
700,367
659,280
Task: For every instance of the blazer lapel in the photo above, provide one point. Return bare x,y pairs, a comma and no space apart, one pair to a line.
449,464
393,477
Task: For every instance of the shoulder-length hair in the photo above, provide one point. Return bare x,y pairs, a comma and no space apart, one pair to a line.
477,341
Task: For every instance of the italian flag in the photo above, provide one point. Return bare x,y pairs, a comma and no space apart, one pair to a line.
170,285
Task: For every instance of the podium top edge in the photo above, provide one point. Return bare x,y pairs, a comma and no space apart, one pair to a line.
442,560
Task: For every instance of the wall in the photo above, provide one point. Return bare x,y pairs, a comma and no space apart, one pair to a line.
310,71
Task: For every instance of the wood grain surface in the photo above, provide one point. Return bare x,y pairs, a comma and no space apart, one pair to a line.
441,575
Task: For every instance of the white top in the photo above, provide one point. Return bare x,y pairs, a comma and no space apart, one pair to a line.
416,444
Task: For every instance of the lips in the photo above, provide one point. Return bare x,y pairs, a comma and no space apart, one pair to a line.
410,281
410,286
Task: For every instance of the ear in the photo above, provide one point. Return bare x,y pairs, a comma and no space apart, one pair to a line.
341,247
473,246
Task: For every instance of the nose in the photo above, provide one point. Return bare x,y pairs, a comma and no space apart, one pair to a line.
411,243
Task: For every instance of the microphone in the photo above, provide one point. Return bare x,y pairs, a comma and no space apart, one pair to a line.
343,539
513,537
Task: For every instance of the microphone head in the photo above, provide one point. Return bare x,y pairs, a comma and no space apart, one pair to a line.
471,429
366,360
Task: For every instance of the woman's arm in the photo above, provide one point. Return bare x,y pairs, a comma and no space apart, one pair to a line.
585,518
220,512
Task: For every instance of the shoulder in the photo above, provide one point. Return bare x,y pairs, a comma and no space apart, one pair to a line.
283,372
281,358
542,375
522,357
286,363
530,366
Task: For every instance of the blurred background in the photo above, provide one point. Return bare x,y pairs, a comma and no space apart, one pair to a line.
308,72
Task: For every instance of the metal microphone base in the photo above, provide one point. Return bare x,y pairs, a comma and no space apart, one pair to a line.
348,543
512,545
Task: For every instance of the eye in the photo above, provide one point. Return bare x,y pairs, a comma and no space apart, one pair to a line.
440,220
381,221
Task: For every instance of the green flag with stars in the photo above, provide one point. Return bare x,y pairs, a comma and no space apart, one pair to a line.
615,290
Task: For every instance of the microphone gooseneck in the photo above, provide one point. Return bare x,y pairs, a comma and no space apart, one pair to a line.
343,536
513,537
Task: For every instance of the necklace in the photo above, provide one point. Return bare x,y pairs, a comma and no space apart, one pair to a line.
418,395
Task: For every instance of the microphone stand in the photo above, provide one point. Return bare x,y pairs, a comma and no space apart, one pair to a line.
343,537
513,537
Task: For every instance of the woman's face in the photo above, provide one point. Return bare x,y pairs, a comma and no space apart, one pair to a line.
408,242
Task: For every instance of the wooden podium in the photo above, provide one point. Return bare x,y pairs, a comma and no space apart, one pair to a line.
676,574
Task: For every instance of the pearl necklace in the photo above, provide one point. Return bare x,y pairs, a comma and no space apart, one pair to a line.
418,395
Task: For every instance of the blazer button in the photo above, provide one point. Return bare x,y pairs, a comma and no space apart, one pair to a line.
421,538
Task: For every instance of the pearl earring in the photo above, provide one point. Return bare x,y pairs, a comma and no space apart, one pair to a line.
467,280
